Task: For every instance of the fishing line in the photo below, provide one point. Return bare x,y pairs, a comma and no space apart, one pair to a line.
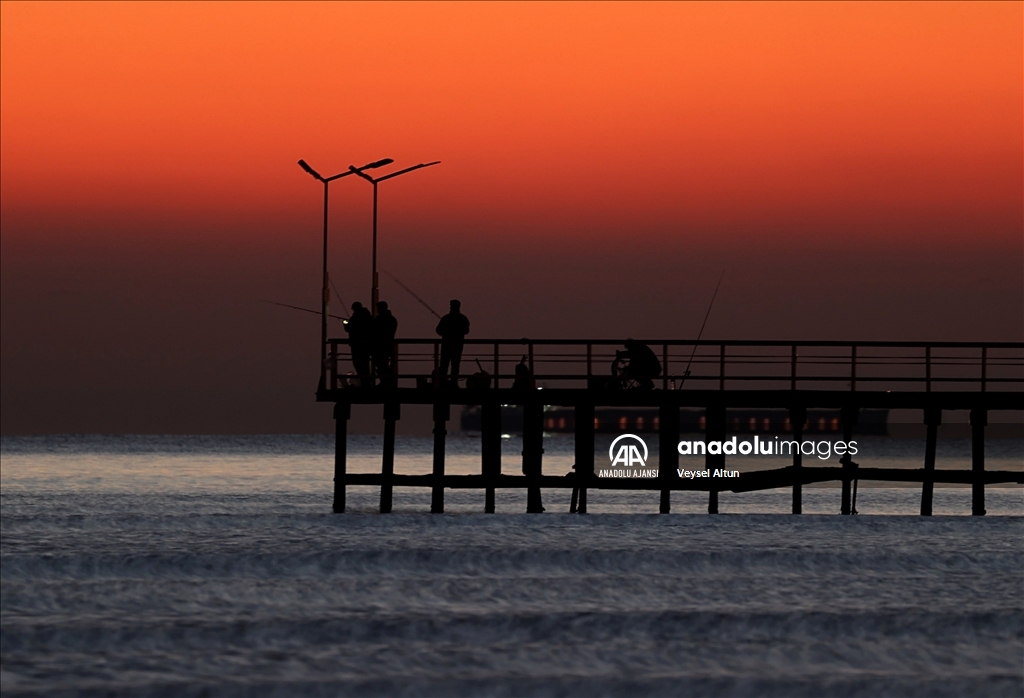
337,295
411,293
305,310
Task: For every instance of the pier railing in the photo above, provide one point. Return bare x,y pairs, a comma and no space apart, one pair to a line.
706,364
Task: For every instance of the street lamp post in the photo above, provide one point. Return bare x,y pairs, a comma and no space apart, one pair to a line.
374,291
326,295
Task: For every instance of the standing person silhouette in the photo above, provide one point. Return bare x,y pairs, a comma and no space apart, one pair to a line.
385,326
360,331
453,329
522,381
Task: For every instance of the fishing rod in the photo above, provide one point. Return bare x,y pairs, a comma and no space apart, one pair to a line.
305,310
411,293
338,296
700,334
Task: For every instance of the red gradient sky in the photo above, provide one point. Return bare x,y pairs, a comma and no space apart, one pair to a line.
858,166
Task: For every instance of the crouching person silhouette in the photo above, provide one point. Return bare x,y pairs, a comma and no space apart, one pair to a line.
642,367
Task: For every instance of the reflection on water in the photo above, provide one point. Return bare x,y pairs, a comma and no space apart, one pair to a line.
304,463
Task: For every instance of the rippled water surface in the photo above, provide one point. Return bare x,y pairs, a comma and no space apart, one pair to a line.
205,566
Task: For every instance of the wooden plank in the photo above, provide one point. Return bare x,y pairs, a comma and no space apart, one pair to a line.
811,399
746,482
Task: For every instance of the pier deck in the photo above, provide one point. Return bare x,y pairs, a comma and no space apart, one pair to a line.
713,375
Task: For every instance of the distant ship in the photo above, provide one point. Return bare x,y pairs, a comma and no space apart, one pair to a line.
645,419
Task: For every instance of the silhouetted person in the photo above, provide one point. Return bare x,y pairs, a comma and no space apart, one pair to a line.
643,363
522,380
360,332
385,326
453,329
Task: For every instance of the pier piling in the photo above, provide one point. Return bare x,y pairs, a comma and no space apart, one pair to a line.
668,457
848,416
490,449
584,451
342,412
979,420
392,413
932,420
533,454
442,412
797,418
716,432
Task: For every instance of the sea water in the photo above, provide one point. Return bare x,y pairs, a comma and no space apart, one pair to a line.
213,566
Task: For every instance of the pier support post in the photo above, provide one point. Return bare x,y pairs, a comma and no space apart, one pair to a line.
342,412
715,432
932,419
797,418
848,415
533,454
392,413
442,412
979,420
584,448
668,457
490,449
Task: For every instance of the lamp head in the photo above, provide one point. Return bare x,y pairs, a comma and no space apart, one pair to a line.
310,170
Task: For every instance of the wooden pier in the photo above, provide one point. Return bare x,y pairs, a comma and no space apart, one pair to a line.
933,377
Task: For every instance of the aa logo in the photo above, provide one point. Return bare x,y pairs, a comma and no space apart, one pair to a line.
628,454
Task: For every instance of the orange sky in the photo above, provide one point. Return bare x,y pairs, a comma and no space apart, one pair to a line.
659,119
857,170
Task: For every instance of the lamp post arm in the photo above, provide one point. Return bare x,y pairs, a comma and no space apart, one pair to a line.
356,171
407,169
